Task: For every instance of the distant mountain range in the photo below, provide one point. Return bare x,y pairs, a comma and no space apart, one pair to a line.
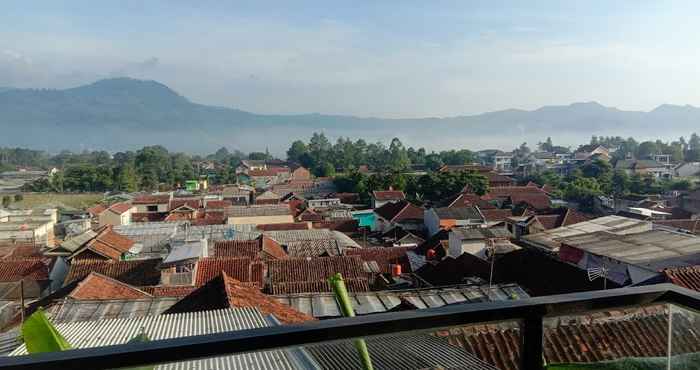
124,113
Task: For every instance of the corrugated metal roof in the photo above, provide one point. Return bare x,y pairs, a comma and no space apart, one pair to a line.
324,305
398,352
90,334
649,248
72,310
550,239
287,236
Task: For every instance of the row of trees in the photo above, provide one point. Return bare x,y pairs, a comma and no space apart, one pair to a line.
432,187
323,158
598,178
146,169
679,150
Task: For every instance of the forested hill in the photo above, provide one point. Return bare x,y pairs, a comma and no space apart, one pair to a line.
123,113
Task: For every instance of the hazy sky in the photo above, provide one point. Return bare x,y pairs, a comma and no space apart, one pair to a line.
378,58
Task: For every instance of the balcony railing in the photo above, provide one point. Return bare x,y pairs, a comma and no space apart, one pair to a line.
529,312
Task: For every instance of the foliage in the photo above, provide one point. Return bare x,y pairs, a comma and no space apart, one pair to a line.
6,200
41,336
583,191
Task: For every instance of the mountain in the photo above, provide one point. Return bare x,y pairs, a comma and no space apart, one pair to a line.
124,113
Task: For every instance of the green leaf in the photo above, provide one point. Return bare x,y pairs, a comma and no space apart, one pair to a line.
41,336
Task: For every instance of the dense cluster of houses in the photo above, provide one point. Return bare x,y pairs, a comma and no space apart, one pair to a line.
266,249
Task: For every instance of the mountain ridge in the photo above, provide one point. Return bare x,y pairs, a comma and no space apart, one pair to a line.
120,113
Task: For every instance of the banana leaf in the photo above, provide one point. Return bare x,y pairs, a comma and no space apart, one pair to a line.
41,336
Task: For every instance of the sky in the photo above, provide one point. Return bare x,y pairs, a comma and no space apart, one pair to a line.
366,58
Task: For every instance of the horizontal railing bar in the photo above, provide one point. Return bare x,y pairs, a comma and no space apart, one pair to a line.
237,342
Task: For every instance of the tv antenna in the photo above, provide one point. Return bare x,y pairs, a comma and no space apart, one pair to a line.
597,273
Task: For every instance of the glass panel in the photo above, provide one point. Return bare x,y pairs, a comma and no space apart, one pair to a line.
636,337
685,338
492,346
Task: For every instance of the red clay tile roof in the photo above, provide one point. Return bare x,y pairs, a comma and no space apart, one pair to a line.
496,215
529,195
20,269
97,286
469,200
19,251
262,173
239,268
260,248
217,204
385,257
400,211
151,199
134,272
237,248
169,291
241,295
643,335
496,180
108,244
120,208
315,269
687,277
383,195
563,217
352,285
147,217
97,209
192,203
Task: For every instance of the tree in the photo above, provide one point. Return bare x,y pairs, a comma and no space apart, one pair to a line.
547,146
126,179
325,169
398,158
258,156
583,191
646,149
694,142
296,151
620,183
19,197
6,200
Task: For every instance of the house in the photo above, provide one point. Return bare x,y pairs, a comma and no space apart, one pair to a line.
268,197
380,198
238,195
248,165
549,241
402,213
143,272
102,244
691,202
117,214
385,258
479,242
503,163
263,248
316,204
631,258
300,275
644,167
300,173
688,169
445,218
495,179
152,203
226,292
398,237
588,152
687,226
241,269
33,272
530,197
259,214
35,232
532,224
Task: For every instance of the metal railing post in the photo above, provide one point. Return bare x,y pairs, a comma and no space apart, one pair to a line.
531,353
